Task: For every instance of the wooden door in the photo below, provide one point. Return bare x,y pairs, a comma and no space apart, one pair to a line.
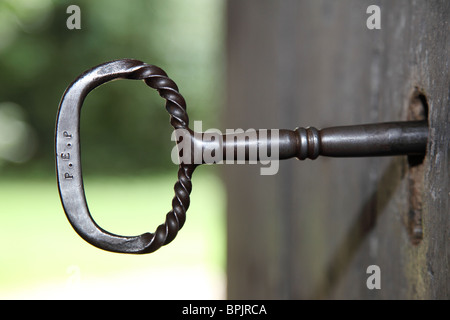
314,229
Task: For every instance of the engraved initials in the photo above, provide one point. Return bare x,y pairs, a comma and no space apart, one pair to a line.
68,176
65,156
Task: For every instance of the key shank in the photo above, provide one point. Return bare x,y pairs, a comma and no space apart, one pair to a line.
368,140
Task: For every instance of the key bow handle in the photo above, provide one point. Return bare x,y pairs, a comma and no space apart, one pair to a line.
68,160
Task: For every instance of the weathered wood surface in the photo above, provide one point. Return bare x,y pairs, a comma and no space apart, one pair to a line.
312,230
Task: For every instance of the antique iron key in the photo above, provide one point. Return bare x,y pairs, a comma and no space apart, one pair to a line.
382,139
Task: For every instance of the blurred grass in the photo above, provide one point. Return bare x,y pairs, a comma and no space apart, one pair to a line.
123,124
39,245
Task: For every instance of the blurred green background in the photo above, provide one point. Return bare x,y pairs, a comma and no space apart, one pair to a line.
126,147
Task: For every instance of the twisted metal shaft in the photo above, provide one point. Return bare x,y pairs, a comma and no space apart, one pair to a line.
157,79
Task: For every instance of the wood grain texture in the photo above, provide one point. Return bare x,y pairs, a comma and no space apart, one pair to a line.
311,230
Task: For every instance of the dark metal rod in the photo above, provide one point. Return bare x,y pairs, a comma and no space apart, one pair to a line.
383,139
367,140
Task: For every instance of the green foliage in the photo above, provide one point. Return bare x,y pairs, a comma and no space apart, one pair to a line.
125,128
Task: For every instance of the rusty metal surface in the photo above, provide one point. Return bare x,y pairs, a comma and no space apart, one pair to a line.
381,139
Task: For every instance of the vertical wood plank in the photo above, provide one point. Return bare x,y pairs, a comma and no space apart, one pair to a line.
312,230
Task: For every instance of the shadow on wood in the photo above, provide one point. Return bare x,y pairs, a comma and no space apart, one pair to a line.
364,223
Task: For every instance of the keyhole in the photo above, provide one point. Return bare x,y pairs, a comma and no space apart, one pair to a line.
418,110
